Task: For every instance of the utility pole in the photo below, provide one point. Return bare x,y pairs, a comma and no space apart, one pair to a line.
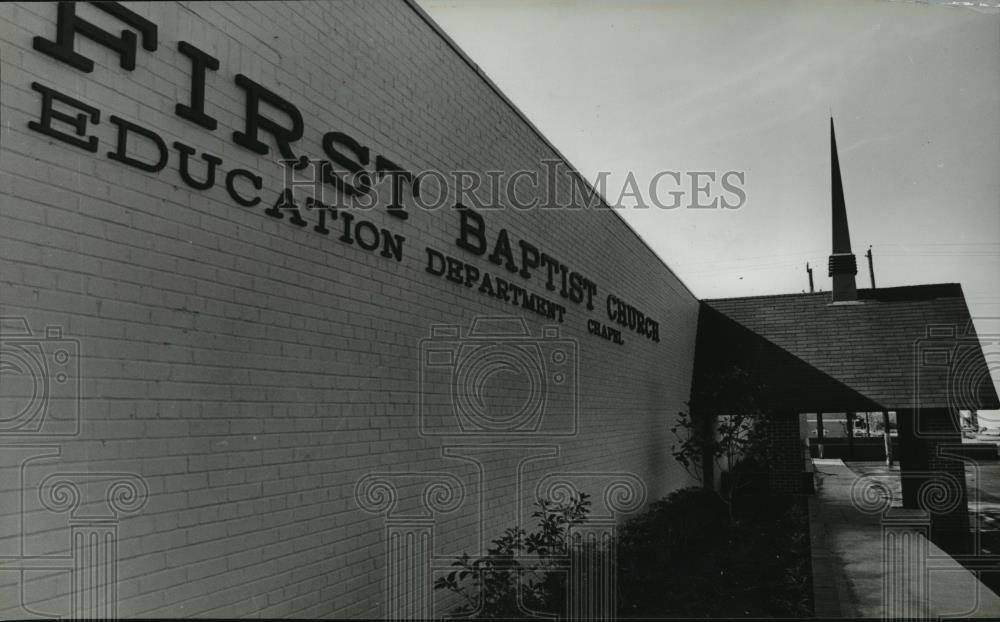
810,271
871,265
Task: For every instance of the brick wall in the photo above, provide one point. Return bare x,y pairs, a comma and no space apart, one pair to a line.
932,467
232,377
786,454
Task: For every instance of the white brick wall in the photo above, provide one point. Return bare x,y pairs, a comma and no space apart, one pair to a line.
252,372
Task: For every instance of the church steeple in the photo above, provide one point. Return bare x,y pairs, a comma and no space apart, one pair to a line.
843,265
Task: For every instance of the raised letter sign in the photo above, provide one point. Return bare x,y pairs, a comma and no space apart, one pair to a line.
79,122
255,122
199,62
68,25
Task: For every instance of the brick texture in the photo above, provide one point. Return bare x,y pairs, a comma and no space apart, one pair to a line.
785,455
248,373
933,475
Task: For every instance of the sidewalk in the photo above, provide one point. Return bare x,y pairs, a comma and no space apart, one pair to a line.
875,565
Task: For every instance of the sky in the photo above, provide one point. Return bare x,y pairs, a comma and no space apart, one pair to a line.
632,87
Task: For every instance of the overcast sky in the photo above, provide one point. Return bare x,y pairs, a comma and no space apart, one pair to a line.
749,86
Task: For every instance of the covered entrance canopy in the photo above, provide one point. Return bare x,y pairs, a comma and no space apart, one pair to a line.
896,348
912,349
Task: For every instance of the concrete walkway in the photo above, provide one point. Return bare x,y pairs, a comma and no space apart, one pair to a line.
871,560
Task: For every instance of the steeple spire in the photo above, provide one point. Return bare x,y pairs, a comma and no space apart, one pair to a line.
843,265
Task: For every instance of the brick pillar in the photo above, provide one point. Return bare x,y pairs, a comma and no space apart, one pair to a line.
786,462
849,417
932,480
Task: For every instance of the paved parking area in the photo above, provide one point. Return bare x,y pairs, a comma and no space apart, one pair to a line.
983,483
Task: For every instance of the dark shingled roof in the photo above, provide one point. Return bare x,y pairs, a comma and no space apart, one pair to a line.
896,348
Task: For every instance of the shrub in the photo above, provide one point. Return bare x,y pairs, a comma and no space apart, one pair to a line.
736,446
683,557
667,554
522,572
